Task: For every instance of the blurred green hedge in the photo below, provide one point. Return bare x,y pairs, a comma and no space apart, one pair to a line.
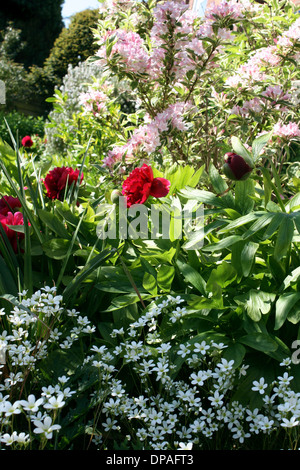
20,125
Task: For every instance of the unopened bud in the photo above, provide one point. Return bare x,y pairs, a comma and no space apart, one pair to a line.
115,196
235,167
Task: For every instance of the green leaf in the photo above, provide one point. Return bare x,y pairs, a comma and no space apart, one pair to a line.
206,197
54,223
223,275
192,276
268,186
222,244
150,283
248,256
283,306
125,300
256,303
195,238
243,192
291,278
273,226
7,281
259,341
284,238
183,176
165,276
86,272
56,248
241,150
297,222
263,220
259,143
219,184
240,221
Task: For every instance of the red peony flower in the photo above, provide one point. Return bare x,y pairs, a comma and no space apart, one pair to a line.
12,219
27,142
141,184
235,167
8,204
57,180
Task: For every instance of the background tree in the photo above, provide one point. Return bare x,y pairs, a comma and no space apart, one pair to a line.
22,85
74,44
40,23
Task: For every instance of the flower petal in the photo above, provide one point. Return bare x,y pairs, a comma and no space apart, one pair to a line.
160,187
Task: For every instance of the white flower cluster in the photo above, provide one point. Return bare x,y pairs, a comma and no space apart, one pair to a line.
186,409
33,328
40,412
149,384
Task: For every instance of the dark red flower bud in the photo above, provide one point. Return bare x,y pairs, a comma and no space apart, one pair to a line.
235,167
27,141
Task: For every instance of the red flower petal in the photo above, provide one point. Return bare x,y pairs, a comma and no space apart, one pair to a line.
8,204
56,180
26,141
160,187
140,184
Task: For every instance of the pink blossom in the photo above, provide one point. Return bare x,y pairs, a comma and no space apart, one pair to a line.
229,8
276,92
196,45
205,30
289,37
131,49
287,131
147,137
156,62
254,105
266,56
245,75
94,101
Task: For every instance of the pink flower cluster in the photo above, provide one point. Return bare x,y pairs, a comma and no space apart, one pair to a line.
254,105
231,9
266,56
174,23
246,75
253,69
286,131
289,37
94,101
275,92
271,56
130,47
147,137
177,17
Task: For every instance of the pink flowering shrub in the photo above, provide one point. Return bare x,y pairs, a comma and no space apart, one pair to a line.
201,80
94,101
